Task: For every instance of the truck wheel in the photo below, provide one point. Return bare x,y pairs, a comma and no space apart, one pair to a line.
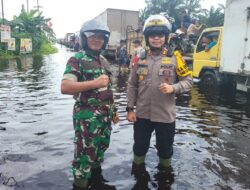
208,81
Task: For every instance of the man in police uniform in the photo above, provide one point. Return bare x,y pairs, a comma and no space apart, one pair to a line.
154,80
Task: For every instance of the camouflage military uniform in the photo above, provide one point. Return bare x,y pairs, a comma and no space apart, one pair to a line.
92,114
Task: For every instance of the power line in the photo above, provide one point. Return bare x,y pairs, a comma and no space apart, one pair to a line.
27,3
38,6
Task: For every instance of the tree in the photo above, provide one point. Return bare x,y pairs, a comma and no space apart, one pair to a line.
32,24
213,17
193,7
172,7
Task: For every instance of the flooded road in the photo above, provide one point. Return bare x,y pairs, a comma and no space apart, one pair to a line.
211,149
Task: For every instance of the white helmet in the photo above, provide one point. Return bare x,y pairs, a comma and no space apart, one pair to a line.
91,27
156,24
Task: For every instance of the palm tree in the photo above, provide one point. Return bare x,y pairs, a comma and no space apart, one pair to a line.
172,7
213,17
193,7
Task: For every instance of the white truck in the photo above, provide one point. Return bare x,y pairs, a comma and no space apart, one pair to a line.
120,23
235,51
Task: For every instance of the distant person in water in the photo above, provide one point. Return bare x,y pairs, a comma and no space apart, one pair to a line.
122,55
136,50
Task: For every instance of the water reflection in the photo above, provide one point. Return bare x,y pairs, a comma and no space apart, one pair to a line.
24,89
121,81
211,149
165,179
22,64
221,120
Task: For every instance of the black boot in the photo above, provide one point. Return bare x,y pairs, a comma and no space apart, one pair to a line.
97,181
141,176
78,188
164,177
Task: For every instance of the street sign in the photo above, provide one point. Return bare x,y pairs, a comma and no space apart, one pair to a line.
5,33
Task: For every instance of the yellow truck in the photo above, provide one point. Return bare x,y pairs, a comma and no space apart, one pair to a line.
206,63
227,62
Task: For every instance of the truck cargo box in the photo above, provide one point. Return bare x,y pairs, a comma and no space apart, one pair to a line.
235,52
119,22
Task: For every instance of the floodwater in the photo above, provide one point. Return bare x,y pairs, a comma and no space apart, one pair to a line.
211,149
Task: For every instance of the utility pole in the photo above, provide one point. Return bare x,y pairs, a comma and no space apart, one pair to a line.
2,12
38,6
27,5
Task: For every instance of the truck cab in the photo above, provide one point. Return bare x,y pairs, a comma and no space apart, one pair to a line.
226,63
206,56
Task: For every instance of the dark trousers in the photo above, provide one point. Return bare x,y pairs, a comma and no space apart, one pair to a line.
164,133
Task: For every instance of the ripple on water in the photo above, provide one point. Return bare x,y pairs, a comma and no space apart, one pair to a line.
210,149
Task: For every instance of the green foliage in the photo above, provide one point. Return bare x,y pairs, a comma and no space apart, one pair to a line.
5,54
193,7
33,22
3,51
32,25
212,17
47,48
172,7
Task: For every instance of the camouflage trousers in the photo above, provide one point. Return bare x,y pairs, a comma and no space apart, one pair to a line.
92,137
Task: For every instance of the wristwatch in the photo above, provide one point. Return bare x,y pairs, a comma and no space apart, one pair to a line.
129,109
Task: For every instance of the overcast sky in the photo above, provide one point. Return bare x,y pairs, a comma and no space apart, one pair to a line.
68,15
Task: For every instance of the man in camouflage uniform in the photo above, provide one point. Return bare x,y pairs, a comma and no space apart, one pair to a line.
87,78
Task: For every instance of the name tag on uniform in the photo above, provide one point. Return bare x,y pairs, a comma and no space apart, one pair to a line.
166,70
166,60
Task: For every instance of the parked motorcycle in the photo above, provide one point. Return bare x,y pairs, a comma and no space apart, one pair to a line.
180,41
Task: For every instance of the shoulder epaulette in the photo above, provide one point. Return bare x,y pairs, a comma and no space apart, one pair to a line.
139,57
164,51
181,67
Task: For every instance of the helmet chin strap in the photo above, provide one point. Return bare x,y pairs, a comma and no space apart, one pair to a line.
155,49
92,52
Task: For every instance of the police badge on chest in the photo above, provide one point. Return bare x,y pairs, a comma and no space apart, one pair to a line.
142,72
